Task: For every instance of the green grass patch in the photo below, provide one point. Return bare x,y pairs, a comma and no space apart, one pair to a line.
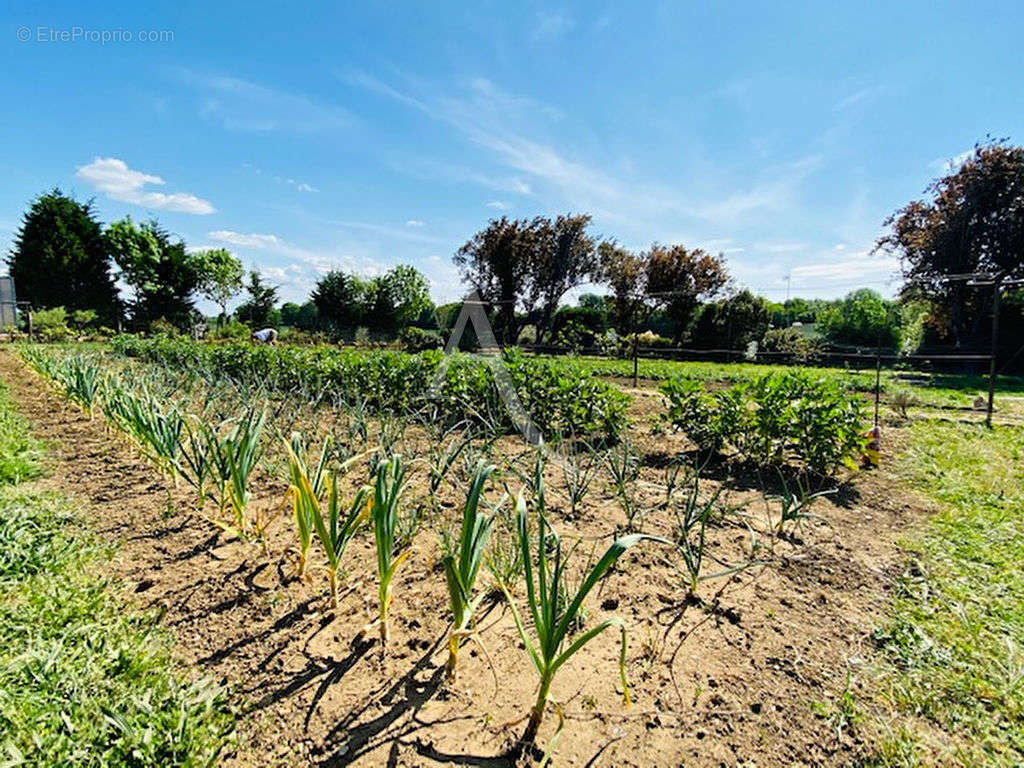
19,451
85,680
956,638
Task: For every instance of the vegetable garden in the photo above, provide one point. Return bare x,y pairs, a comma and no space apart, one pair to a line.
375,571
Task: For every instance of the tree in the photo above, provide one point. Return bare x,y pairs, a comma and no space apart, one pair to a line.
625,273
220,277
162,274
732,323
340,299
60,259
400,297
304,316
862,319
678,279
565,257
258,309
528,265
668,277
498,262
974,222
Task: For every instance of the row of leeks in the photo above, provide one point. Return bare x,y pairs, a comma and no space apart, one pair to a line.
555,611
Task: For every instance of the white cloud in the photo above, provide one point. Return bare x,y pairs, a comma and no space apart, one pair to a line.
115,179
414,223
951,164
861,266
498,205
304,187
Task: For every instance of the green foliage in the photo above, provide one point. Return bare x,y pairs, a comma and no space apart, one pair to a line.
779,418
862,319
792,343
19,451
561,397
258,309
162,274
387,303
420,340
51,324
220,276
59,258
84,680
731,323
555,610
384,513
462,565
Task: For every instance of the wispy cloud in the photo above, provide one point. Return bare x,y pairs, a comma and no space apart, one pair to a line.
511,129
117,181
498,205
242,105
414,223
551,25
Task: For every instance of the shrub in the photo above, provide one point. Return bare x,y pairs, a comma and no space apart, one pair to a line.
793,343
776,419
415,339
51,324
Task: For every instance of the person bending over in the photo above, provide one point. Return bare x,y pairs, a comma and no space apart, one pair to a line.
265,336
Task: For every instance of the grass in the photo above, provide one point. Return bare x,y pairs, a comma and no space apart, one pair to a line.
956,637
20,453
84,679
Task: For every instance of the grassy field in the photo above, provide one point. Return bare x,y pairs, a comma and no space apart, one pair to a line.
83,681
957,631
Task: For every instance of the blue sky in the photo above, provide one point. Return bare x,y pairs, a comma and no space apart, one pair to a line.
362,135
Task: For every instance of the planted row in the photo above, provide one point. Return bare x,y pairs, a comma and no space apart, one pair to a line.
792,417
560,398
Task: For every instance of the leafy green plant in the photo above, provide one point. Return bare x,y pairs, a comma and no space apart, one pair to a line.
462,565
387,493
786,417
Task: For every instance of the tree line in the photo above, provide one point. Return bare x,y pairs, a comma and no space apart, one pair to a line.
971,221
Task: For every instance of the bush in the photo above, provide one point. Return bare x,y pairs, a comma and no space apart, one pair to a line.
776,419
791,342
232,329
51,324
561,397
419,340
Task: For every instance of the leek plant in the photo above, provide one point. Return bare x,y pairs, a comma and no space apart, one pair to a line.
794,504
461,566
305,490
82,382
242,451
692,518
553,611
387,492
310,493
